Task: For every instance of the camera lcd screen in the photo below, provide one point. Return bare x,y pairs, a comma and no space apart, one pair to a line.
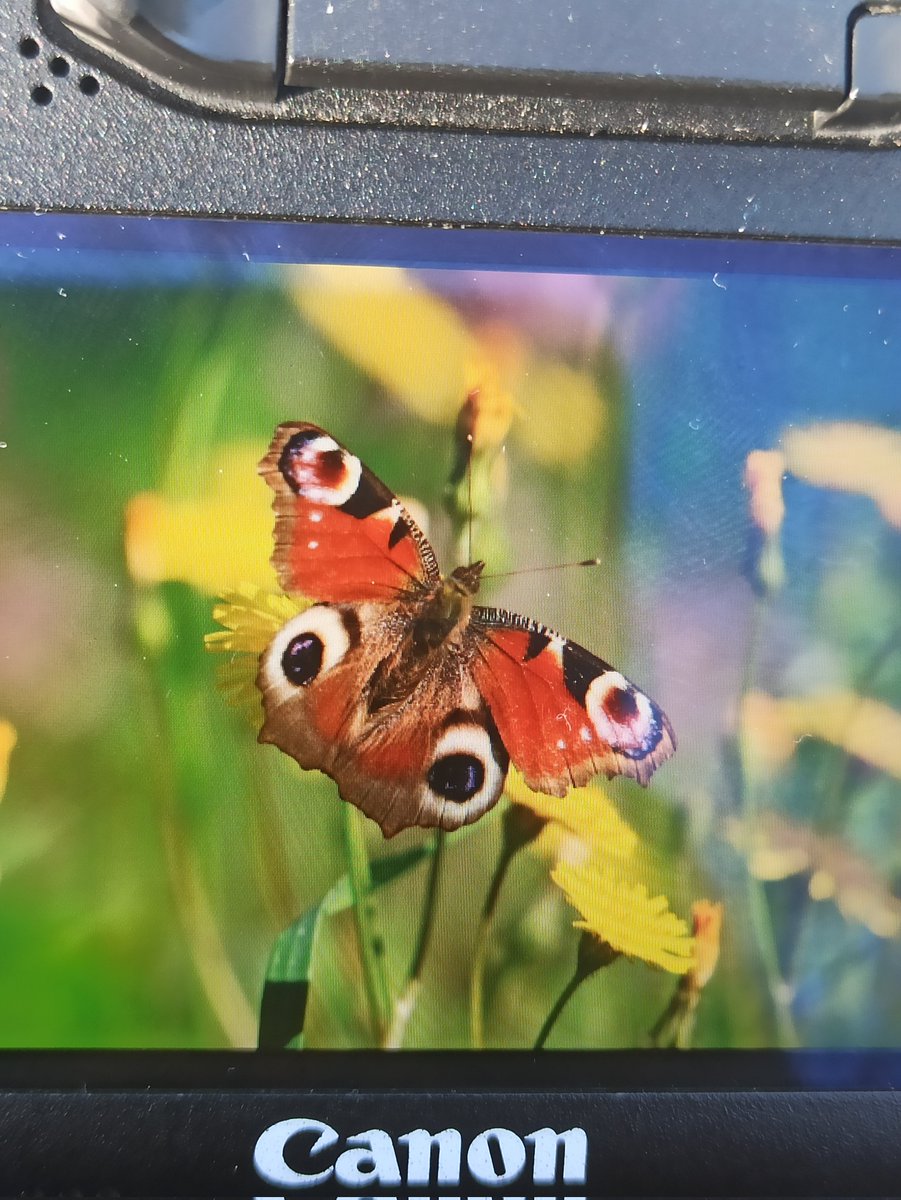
432,641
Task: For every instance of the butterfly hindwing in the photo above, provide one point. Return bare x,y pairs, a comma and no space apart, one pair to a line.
429,755
340,533
563,714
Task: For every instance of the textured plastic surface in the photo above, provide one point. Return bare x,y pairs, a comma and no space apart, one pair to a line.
787,46
97,1129
228,47
874,95
122,150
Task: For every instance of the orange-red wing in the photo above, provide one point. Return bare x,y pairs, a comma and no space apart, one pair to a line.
340,533
563,714
430,758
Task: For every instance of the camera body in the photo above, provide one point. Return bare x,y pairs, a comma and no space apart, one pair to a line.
691,121
487,135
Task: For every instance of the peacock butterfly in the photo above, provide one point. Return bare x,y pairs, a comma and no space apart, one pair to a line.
411,697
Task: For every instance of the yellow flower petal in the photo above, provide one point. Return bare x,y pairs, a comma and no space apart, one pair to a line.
585,816
410,341
617,909
563,415
866,729
7,744
252,616
214,543
423,352
849,456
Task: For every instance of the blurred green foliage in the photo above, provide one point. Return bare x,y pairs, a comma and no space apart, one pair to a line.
152,854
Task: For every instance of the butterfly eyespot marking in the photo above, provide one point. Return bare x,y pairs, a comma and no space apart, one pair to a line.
456,776
310,644
315,467
621,715
466,773
302,660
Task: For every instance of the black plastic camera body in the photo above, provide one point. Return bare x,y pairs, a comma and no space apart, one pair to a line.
750,124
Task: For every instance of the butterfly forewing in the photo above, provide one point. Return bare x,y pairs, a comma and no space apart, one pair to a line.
340,533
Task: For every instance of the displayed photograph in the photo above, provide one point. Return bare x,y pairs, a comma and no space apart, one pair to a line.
417,657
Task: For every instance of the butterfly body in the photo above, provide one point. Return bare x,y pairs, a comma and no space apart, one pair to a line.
396,684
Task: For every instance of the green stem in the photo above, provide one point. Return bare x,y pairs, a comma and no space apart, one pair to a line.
674,1028
758,905
561,1003
428,915
375,980
594,954
480,956
406,1001
520,826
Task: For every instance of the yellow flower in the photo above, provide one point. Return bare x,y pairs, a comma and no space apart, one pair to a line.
764,470
252,616
410,341
584,818
7,744
866,729
676,1025
617,910
777,848
216,542
849,456
423,352
487,412
707,925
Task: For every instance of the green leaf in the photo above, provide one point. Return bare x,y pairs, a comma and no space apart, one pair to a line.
286,989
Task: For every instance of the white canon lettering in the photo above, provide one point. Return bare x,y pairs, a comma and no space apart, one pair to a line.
512,1153
419,1143
373,1165
575,1154
269,1153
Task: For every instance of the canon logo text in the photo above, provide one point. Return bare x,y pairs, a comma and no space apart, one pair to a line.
495,1158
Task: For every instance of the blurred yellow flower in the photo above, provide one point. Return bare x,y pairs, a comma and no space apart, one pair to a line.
618,911
7,744
429,358
487,412
410,341
849,456
252,616
764,470
584,819
216,542
706,925
866,729
777,848
563,414
677,1021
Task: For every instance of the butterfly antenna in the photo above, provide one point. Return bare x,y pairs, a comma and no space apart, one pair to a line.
584,562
